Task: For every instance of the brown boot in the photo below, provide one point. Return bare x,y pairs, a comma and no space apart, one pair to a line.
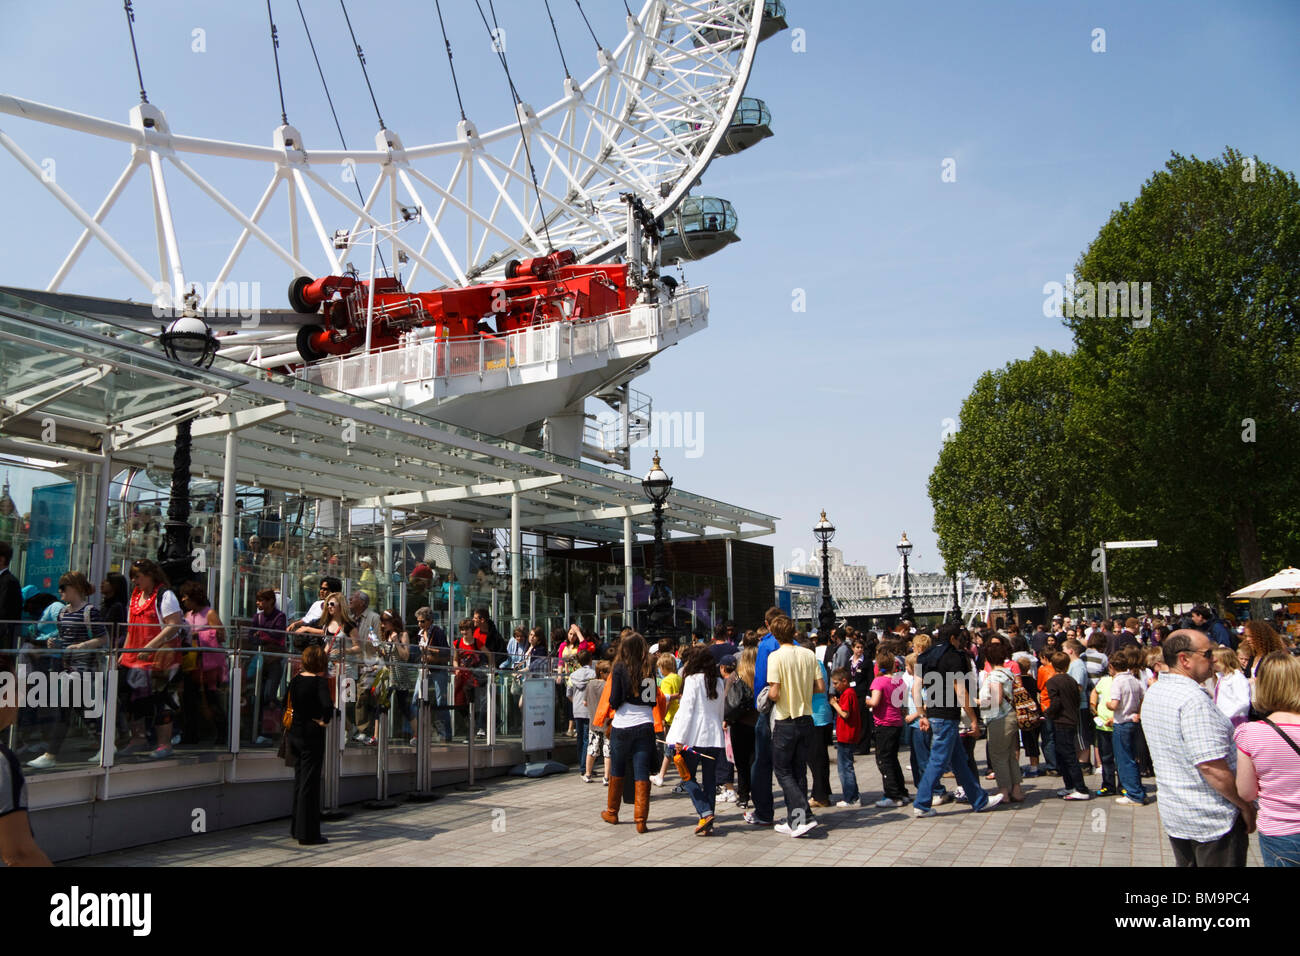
641,811
615,800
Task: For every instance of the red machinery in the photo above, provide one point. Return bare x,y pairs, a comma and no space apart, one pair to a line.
548,288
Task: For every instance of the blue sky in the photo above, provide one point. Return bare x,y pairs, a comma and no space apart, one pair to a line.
914,286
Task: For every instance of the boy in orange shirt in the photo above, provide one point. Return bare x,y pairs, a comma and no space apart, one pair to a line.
1045,672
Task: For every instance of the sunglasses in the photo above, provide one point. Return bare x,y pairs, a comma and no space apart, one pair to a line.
1208,653
332,604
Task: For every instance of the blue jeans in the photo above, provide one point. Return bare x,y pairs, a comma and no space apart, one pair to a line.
1106,749
632,751
1049,744
943,742
848,775
791,745
921,751
1126,761
1280,850
760,774
703,797
581,725
441,699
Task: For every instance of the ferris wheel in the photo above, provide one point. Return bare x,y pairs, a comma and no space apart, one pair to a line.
646,124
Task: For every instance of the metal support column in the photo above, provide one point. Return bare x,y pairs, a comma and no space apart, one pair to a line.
627,571
387,598
516,571
226,592
1105,585
99,546
731,589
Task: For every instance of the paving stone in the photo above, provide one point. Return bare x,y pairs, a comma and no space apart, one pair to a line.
554,821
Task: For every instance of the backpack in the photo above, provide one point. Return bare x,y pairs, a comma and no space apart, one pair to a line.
739,708
1027,714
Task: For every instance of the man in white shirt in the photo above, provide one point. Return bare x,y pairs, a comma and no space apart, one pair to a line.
314,613
1207,822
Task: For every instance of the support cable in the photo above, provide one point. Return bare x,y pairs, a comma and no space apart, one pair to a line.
333,112
361,58
556,34
130,25
528,154
588,23
275,51
455,85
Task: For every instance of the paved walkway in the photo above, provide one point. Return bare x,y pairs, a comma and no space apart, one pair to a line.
554,821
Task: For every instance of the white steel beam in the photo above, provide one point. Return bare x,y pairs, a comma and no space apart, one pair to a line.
70,204
216,425
414,499
100,214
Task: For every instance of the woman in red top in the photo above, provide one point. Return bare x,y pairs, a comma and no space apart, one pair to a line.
152,673
470,654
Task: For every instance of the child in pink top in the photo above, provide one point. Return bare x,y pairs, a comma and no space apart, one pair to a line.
886,701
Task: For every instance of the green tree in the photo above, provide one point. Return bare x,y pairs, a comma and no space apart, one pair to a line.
1011,498
1194,408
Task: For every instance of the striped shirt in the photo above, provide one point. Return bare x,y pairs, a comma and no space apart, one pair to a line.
1278,768
1183,729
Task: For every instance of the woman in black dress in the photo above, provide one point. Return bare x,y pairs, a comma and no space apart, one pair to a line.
312,710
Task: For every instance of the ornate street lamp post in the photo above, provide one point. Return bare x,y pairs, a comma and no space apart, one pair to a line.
956,604
187,341
905,548
657,486
825,531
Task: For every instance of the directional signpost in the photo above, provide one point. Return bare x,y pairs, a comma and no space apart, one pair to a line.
1105,578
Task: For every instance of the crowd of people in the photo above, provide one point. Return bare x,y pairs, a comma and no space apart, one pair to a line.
1210,710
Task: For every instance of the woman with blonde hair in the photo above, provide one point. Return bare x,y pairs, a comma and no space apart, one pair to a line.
1268,759
1231,689
741,717
334,625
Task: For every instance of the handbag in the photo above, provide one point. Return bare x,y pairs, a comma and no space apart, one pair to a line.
287,720
1027,714
286,753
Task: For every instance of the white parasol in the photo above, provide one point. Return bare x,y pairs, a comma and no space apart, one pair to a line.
1284,584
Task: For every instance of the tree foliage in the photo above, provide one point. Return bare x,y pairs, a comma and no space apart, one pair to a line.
1195,417
1011,498
1180,423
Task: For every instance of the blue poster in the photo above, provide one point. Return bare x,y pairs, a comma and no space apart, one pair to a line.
50,540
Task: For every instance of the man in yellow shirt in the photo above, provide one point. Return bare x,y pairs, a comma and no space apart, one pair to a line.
793,676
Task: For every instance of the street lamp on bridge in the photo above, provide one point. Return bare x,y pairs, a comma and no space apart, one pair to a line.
825,531
905,548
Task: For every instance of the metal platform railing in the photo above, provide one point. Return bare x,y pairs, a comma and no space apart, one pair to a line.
422,358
